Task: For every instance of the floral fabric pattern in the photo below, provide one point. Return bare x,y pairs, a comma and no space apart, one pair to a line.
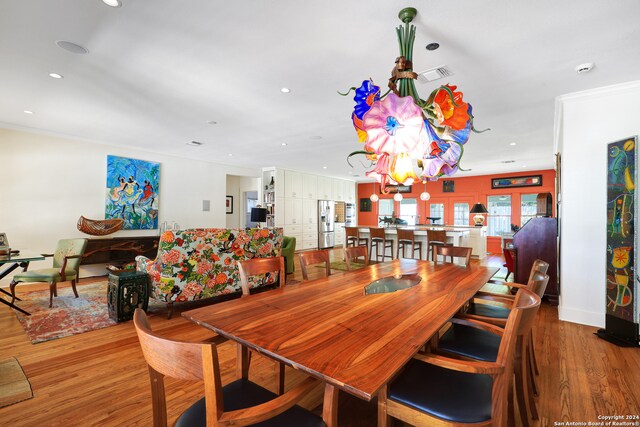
202,263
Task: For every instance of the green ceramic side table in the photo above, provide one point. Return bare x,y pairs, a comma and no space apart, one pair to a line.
126,292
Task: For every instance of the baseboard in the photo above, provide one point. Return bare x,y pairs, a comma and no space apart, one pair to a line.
582,317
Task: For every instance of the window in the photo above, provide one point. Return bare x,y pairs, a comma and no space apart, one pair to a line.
385,208
409,210
436,210
499,218
461,214
529,208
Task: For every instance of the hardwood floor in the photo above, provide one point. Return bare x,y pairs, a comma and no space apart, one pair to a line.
100,378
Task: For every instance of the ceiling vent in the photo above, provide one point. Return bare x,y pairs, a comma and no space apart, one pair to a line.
194,143
435,74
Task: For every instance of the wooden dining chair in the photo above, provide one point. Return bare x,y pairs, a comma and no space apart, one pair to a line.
436,390
379,239
352,255
453,252
497,315
314,257
241,402
407,238
353,237
261,271
435,238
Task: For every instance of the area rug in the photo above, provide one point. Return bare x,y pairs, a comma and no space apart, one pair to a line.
14,385
68,316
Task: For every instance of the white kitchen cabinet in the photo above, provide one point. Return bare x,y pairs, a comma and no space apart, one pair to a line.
350,192
293,184
310,212
478,241
309,186
339,234
292,211
325,188
279,211
338,190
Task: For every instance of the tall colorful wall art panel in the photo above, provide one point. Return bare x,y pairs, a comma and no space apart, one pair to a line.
621,314
132,192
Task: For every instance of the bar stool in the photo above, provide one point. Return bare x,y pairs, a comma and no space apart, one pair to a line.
436,238
354,239
406,237
378,238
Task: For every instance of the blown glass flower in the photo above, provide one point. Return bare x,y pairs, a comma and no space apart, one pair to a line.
365,96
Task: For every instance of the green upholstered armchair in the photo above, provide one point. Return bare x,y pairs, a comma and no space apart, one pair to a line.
288,250
66,263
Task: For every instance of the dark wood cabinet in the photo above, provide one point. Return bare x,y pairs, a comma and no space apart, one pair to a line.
119,250
538,239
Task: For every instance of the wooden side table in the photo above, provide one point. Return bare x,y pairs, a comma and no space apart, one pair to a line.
126,292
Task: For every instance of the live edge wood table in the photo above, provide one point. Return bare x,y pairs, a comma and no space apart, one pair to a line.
331,330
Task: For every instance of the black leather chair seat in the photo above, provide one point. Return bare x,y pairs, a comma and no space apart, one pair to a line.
489,310
470,342
243,394
450,395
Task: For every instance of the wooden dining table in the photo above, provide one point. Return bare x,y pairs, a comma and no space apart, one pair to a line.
329,329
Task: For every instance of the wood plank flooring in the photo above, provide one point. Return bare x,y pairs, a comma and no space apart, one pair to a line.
100,378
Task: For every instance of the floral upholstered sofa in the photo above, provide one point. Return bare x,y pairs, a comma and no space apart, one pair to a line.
200,263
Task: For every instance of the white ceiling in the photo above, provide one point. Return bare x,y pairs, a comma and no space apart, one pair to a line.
158,71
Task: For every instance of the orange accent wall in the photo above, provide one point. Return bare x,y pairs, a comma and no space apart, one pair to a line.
472,189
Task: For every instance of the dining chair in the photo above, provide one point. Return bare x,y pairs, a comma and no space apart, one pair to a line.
262,268
241,402
453,252
407,238
509,262
538,265
434,389
314,257
378,239
354,239
352,255
435,238
66,265
497,315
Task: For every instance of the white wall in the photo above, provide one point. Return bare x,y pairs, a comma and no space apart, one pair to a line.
48,182
585,123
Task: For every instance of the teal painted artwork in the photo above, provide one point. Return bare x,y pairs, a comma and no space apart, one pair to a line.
132,192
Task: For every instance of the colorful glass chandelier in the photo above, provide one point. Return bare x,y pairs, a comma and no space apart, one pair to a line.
406,138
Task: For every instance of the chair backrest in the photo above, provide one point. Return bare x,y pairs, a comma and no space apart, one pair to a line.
256,266
352,232
69,247
376,233
508,258
176,359
314,257
538,265
405,234
519,322
454,251
538,283
351,254
439,236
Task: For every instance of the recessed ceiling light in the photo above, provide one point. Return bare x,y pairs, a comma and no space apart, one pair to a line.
72,47
433,46
513,143
584,68
285,90
112,3
524,166
194,143
28,112
284,144
56,76
230,154
212,122
324,167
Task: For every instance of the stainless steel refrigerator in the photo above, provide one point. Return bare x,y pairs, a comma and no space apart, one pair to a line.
326,219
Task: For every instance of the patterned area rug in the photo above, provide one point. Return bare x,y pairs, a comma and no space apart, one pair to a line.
14,385
68,316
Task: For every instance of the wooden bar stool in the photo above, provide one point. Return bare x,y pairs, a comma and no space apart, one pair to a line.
406,237
378,238
354,239
436,238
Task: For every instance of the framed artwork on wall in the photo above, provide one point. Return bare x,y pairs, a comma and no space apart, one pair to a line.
448,186
229,205
365,205
132,192
517,181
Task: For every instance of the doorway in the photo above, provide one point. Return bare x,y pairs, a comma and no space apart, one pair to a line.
250,201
